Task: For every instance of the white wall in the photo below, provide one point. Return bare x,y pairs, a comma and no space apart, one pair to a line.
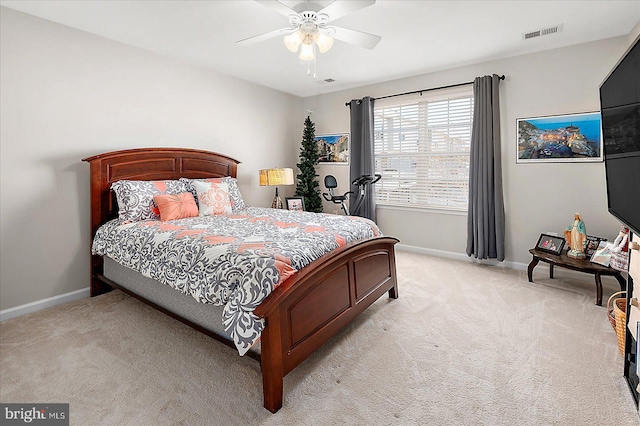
538,197
66,95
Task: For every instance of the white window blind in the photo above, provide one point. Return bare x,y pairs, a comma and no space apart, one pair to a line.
422,149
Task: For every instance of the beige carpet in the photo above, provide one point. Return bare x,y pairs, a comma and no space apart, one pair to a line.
464,344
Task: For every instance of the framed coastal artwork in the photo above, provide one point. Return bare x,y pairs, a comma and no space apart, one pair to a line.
333,148
560,138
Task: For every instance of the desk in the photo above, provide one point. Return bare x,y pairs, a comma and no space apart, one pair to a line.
577,265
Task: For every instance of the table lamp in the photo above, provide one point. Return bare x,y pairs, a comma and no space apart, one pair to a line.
276,177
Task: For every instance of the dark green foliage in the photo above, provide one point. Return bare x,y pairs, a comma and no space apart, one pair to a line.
308,186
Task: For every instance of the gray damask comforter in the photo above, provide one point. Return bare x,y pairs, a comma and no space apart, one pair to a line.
235,260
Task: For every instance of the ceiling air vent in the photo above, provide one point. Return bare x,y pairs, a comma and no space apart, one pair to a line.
542,32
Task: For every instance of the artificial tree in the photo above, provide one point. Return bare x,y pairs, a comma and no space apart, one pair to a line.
308,186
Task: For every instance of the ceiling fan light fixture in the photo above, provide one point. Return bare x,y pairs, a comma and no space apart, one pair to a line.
293,41
323,41
306,53
308,29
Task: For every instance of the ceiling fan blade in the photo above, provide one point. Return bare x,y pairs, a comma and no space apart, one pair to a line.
255,39
338,9
276,6
366,40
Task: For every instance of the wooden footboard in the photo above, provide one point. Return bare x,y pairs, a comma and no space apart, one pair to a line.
313,305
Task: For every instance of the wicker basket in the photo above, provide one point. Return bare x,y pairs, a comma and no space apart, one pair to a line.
618,317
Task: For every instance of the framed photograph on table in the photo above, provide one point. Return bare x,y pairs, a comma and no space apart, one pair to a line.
295,203
550,243
591,245
602,255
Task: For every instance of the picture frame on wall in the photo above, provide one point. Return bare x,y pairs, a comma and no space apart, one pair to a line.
550,243
295,203
559,138
333,148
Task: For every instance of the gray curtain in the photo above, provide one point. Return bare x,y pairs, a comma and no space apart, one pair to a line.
361,155
485,220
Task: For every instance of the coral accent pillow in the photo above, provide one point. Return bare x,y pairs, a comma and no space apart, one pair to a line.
176,206
213,198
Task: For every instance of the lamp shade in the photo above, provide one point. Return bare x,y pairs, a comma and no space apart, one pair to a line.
293,40
276,177
306,53
324,42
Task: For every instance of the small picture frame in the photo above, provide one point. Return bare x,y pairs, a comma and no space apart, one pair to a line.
550,243
591,245
295,203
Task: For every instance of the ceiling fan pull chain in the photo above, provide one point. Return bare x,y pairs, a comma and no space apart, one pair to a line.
315,54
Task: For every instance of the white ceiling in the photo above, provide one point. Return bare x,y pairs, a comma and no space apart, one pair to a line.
417,36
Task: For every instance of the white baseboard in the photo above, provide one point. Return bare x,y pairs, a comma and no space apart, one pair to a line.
462,256
43,304
541,267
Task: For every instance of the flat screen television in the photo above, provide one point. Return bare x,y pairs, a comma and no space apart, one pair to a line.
620,108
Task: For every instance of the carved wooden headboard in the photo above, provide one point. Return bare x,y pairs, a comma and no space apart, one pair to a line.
147,164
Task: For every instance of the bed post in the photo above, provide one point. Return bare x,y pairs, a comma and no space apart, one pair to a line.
99,211
393,291
271,362
98,286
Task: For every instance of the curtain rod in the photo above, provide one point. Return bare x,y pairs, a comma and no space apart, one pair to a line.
423,90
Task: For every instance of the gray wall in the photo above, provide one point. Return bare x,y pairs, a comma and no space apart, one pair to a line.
66,95
538,197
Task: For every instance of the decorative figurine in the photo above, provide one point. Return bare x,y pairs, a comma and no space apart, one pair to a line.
620,252
576,237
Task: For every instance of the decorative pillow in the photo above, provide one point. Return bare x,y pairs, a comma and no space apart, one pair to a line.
213,198
237,203
135,197
176,206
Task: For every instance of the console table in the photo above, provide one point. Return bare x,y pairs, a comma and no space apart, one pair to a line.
580,265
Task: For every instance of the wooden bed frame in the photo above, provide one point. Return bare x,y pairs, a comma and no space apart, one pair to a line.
300,315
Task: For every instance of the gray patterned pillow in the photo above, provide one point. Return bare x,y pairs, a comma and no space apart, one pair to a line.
135,197
237,203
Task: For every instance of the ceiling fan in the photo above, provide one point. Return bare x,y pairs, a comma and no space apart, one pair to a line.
308,27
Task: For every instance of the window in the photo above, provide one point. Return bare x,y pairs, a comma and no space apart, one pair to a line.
421,149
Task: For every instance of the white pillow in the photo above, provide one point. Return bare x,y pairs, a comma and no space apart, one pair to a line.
237,203
213,198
